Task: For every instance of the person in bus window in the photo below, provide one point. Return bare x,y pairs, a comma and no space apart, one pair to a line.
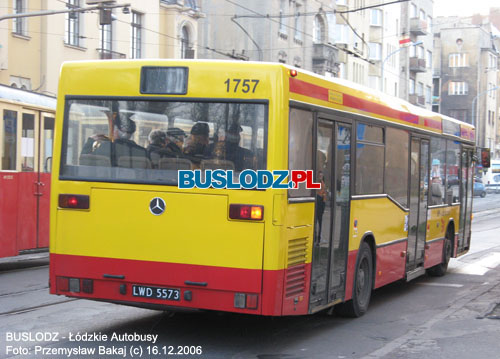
123,145
165,144
240,156
175,141
98,144
196,146
157,146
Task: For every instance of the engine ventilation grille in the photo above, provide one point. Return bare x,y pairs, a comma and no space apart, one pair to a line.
296,271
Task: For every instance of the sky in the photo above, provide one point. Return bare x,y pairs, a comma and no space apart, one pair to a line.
463,7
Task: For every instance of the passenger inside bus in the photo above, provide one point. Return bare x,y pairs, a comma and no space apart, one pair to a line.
196,146
122,151
240,156
165,144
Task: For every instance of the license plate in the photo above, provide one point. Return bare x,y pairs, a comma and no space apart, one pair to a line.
156,292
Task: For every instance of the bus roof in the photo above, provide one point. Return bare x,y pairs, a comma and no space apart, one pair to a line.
369,102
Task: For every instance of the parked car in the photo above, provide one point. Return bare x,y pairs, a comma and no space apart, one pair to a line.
479,189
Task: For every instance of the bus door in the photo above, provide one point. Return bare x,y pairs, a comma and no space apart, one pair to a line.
466,185
417,223
331,225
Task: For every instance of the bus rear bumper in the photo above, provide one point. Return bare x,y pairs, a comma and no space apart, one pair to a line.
186,286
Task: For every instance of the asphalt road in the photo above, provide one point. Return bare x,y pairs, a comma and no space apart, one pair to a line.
447,317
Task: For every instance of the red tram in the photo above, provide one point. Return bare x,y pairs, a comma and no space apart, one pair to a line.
26,137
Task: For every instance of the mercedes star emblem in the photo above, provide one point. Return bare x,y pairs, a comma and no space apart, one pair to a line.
157,206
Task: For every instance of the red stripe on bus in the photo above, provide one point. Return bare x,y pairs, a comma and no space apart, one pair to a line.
158,273
390,263
351,268
434,253
218,294
307,89
429,122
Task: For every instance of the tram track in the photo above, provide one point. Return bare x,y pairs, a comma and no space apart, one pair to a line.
33,308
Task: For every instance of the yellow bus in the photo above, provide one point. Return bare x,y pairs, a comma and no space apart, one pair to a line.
395,199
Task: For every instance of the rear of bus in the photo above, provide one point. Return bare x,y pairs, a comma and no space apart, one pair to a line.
121,229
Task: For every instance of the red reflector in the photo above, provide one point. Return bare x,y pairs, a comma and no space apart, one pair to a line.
252,301
76,201
246,211
62,284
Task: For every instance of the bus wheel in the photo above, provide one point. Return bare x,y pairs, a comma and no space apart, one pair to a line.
363,284
440,269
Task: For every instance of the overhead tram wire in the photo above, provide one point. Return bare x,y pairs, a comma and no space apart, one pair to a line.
293,28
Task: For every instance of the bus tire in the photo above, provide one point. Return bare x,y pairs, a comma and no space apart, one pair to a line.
362,288
440,269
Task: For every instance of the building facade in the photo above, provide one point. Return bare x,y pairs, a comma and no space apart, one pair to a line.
296,32
416,60
33,48
384,47
468,75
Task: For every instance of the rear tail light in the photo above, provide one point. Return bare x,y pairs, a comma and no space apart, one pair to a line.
246,211
62,284
246,301
76,201
75,285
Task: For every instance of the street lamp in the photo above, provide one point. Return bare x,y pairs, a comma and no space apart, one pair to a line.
387,58
474,117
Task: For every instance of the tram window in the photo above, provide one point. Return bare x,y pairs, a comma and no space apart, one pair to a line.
9,140
369,159
300,147
396,165
28,143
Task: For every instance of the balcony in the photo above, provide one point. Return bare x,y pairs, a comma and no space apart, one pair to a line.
418,27
417,65
105,54
415,99
325,57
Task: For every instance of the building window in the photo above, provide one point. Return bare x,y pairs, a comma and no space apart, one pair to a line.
413,10
429,59
459,60
72,33
20,25
298,23
429,21
375,50
136,41
411,86
493,62
428,94
420,52
458,88
186,50
422,15
106,41
318,30
341,34
283,22
420,89
375,17
191,4
458,114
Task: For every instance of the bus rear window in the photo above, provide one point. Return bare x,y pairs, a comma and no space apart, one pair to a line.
149,141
